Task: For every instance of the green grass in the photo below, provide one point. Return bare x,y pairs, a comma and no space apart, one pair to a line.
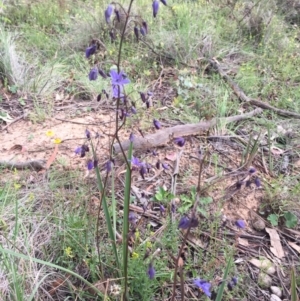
48,243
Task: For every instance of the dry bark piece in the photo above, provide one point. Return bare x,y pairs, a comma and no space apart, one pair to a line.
276,247
162,137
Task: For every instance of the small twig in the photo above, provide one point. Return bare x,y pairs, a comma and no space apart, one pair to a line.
14,121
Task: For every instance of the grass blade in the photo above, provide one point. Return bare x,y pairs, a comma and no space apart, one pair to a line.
222,286
294,296
107,215
22,256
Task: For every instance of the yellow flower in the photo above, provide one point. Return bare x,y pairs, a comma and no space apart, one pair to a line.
137,234
17,186
57,141
69,252
148,244
135,255
49,133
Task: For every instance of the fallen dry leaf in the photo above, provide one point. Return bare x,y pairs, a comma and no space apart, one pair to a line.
276,247
52,157
243,242
171,156
276,151
294,246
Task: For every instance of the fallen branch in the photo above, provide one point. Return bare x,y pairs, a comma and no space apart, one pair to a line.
33,164
243,97
162,137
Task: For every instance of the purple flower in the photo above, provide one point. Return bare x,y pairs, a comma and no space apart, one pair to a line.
145,25
136,33
162,208
88,134
231,284
99,97
164,2
90,164
102,73
118,92
131,137
151,271
147,104
133,110
143,96
78,150
251,170
132,217
93,75
179,141
155,7
194,222
156,124
234,280
248,183
135,161
143,171
143,31
108,166
157,164
117,15
165,166
240,224
96,163
85,148
257,182
90,50
108,12
204,286
184,223
118,79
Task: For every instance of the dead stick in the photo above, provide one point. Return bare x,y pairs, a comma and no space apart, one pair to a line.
243,97
33,164
163,136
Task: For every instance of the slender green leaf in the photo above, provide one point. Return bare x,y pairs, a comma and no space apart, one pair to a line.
294,296
125,219
107,215
222,286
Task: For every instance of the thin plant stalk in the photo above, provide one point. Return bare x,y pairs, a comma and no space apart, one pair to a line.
126,222
113,202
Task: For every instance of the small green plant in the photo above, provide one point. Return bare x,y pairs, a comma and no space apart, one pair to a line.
163,195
